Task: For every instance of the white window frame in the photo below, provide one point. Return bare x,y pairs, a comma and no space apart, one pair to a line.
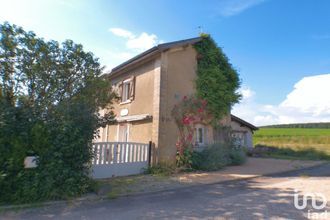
126,91
198,128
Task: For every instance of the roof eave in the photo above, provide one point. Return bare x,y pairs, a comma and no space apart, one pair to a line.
247,124
149,53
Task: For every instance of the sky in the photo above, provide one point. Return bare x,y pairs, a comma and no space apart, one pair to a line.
280,48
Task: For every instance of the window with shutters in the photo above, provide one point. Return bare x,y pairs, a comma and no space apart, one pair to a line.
127,90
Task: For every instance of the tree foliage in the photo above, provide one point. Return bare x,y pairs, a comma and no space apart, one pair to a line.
50,94
217,81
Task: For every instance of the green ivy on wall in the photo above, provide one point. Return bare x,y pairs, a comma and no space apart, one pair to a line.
217,81
216,84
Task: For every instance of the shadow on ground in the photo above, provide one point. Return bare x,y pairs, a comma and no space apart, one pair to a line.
231,200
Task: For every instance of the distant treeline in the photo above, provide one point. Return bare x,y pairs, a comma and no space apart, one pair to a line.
300,125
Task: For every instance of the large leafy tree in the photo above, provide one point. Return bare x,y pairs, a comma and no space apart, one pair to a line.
50,95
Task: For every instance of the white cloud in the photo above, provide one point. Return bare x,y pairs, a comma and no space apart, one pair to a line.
308,102
143,42
229,8
246,109
310,95
247,94
139,43
122,33
132,45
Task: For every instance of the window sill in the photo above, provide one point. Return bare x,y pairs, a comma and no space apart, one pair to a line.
125,102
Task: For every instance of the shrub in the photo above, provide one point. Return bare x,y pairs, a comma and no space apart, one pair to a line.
237,156
212,158
217,156
183,160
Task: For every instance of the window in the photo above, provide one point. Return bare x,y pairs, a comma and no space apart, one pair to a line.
127,90
123,132
200,135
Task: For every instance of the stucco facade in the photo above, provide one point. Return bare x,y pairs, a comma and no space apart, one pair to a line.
162,77
143,104
242,132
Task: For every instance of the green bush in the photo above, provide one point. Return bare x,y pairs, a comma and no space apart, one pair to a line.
212,158
217,156
49,98
237,156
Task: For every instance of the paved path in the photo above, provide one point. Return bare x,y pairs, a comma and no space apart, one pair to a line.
268,197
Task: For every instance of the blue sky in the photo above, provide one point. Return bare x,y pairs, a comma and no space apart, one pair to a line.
281,48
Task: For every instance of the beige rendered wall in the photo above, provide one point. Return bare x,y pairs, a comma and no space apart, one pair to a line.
139,131
178,73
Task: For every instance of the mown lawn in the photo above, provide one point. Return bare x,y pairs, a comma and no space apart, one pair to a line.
297,139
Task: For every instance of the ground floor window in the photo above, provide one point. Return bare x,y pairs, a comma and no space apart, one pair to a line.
200,135
123,132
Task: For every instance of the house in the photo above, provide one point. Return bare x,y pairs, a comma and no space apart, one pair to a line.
149,86
242,131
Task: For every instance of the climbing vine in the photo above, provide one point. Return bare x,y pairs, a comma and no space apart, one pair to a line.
216,91
217,81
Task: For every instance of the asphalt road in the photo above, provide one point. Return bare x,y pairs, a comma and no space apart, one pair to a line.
268,197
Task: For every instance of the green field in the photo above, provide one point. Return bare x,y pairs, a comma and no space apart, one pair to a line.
294,138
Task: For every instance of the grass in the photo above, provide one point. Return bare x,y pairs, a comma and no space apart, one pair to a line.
126,185
161,169
292,132
293,143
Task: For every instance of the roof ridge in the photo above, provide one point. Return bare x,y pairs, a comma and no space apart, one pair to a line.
157,48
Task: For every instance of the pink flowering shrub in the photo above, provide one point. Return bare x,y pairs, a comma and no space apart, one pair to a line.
187,113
